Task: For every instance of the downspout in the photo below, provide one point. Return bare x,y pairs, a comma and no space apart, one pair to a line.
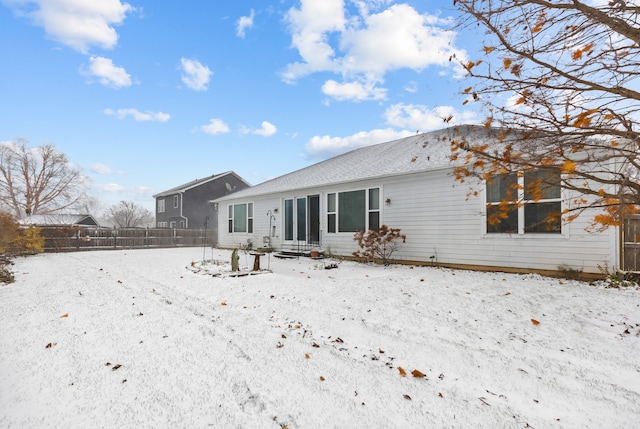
186,220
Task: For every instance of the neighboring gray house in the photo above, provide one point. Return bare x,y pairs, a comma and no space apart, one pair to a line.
188,206
408,184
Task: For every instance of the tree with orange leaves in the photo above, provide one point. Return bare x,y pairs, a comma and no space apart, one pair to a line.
561,79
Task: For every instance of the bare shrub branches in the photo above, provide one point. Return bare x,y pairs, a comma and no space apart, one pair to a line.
565,77
378,245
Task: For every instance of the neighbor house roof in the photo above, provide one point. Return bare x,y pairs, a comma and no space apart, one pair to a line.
416,153
194,183
61,219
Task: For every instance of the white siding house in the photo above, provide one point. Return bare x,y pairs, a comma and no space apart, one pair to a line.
407,184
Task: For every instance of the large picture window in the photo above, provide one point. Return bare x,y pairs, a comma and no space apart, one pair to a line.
521,203
353,211
240,218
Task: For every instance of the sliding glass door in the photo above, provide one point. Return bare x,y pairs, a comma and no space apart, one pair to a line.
302,219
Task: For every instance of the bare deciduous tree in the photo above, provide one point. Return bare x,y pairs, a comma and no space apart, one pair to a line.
37,180
566,76
128,214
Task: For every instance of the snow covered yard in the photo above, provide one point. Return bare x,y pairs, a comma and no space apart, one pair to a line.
136,338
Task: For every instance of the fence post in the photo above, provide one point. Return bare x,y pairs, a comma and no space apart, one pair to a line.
115,234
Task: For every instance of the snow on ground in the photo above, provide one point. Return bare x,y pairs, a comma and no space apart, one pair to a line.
141,338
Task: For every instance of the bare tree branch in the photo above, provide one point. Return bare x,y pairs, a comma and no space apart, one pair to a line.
37,180
128,214
564,77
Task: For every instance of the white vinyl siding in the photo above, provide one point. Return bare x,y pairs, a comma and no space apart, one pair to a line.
443,225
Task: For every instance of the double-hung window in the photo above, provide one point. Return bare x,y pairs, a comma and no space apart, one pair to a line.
523,203
161,205
331,213
353,211
374,209
175,201
240,218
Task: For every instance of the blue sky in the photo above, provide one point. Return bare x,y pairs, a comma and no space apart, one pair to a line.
145,95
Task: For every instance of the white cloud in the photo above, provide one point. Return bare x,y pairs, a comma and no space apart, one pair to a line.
355,91
398,37
108,188
138,116
195,75
310,27
421,118
76,23
215,126
326,146
365,47
268,129
411,86
243,23
365,6
107,73
99,168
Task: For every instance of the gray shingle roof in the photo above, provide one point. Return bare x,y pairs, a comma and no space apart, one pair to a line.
421,152
194,183
59,219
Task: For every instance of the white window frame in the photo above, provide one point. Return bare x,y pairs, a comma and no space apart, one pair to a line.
369,208
332,213
176,202
161,205
522,203
231,220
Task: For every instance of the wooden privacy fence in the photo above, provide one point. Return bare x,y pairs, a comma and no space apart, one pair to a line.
69,238
631,244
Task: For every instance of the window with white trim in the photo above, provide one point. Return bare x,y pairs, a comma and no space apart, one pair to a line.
331,213
161,205
240,218
524,203
353,211
175,201
374,209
